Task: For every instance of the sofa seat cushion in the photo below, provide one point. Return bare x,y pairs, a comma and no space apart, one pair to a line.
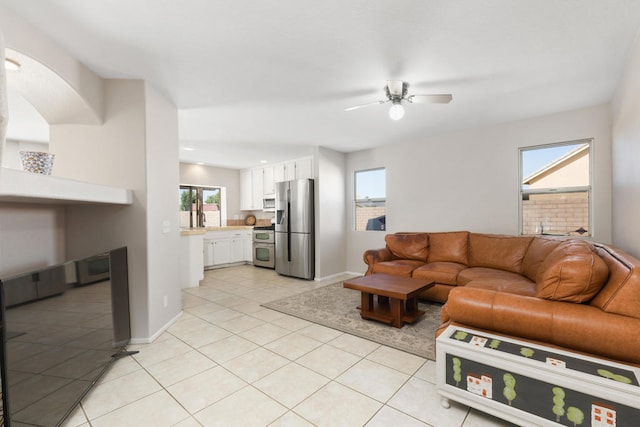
518,286
498,251
413,246
572,272
399,267
486,275
452,246
439,272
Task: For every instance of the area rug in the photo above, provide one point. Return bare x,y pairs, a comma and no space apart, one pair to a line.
335,307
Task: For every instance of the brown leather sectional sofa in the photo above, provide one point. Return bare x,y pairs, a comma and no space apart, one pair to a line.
568,293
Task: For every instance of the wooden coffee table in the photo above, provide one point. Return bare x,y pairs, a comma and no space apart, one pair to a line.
397,297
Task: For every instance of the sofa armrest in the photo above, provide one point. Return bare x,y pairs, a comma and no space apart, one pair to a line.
372,256
580,327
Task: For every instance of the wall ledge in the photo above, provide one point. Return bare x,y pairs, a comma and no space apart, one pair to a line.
25,187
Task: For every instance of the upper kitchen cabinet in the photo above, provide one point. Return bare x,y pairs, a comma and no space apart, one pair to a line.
304,168
246,190
268,180
284,171
293,169
257,182
251,189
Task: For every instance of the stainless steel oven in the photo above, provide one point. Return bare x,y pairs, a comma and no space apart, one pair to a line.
264,254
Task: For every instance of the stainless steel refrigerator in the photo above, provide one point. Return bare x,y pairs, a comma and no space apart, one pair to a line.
295,245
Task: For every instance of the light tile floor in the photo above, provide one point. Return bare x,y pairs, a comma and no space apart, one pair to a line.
227,361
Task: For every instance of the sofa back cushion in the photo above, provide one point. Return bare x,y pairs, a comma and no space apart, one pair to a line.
449,247
572,272
538,250
413,246
498,251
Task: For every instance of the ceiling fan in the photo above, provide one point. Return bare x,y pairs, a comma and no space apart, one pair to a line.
396,92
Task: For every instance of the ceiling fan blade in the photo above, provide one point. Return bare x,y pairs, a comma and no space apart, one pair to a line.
430,99
365,105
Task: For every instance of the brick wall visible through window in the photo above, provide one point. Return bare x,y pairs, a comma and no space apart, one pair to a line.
555,189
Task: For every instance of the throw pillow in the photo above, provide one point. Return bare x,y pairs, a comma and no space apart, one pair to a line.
572,272
408,245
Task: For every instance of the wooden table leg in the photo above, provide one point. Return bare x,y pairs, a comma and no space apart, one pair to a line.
397,312
412,305
366,302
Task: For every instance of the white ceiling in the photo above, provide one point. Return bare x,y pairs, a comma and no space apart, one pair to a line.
269,79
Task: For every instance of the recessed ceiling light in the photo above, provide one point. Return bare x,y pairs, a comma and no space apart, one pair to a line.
188,149
200,163
263,161
11,64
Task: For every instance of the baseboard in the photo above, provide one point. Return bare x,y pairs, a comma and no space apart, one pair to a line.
358,273
153,337
333,276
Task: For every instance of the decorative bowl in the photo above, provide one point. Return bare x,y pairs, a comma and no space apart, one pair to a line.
37,161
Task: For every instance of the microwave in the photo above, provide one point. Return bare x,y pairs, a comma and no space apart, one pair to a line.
269,203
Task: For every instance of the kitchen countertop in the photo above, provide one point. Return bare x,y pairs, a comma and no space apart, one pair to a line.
196,231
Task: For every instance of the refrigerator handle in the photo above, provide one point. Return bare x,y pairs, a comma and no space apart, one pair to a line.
289,225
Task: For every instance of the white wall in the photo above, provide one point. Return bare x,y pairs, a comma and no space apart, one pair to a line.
31,237
111,154
626,156
135,148
330,213
163,223
469,180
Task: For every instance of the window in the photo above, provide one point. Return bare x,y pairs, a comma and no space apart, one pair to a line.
555,189
370,196
200,206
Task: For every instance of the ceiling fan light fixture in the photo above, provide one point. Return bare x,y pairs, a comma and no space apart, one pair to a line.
396,112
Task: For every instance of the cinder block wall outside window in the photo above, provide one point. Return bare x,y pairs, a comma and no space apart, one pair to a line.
363,214
560,214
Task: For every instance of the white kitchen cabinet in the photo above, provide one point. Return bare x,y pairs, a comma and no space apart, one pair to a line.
293,169
227,247
279,172
285,171
236,249
251,189
304,168
290,170
221,251
247,244
208,253
257,188
268,183
257,182
246,190
192,248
